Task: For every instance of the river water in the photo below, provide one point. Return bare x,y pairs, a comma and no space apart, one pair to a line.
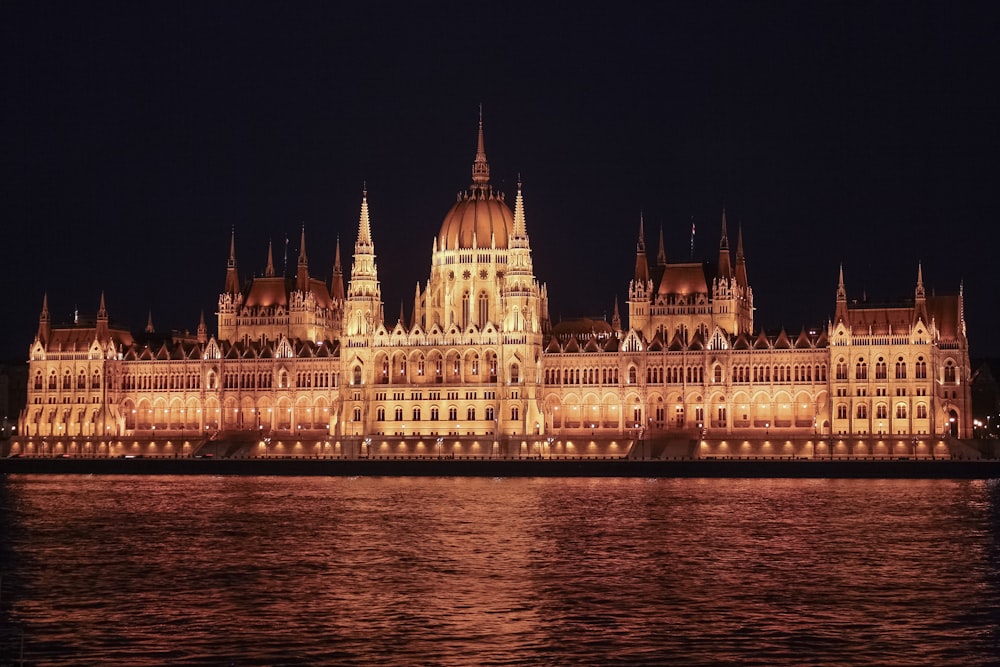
122,570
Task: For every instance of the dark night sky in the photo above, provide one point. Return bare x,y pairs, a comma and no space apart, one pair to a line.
136,136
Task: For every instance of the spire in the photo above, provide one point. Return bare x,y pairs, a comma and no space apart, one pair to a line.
102,320
44,324
520,230
724,240
741,263
202,329
616,319
920,297
661,254
302,274
364,227
363,291
269,269
232,278
416,306
149,322
480,168
337,284
841,314
641,265
725,265
402,315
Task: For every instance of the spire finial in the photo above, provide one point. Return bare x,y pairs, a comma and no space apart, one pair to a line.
269,269
480,168
641,246
364,227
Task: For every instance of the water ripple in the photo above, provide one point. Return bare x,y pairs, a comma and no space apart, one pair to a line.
457,572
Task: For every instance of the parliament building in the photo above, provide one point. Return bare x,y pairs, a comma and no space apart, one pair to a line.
302,366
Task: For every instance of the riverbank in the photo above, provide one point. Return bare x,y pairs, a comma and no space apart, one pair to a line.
733,468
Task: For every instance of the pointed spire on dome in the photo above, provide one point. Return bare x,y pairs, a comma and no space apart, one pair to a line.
661,254
232,278
920,281
480,168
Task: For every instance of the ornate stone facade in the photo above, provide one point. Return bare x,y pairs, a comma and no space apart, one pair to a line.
304,367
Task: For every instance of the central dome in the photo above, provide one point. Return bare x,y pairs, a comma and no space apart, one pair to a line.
478,214
479,218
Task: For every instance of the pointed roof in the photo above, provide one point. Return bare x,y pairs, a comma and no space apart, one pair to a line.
520,230
364,226
269,269
232,278
725,267
661,254
337,282
641,264
480,167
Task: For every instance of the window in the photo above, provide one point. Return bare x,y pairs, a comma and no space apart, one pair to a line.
949,372
920,368
398,414
881,411
471,414
901,411
452,414
416,414
489,413
842,411
357,414
515,373
900,369
514,413
631,375
921,411
860,370
880,369
862,411
434,413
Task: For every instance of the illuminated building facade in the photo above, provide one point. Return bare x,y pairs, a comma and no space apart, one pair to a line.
305,367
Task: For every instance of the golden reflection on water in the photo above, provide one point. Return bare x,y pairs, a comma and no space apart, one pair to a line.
467,571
